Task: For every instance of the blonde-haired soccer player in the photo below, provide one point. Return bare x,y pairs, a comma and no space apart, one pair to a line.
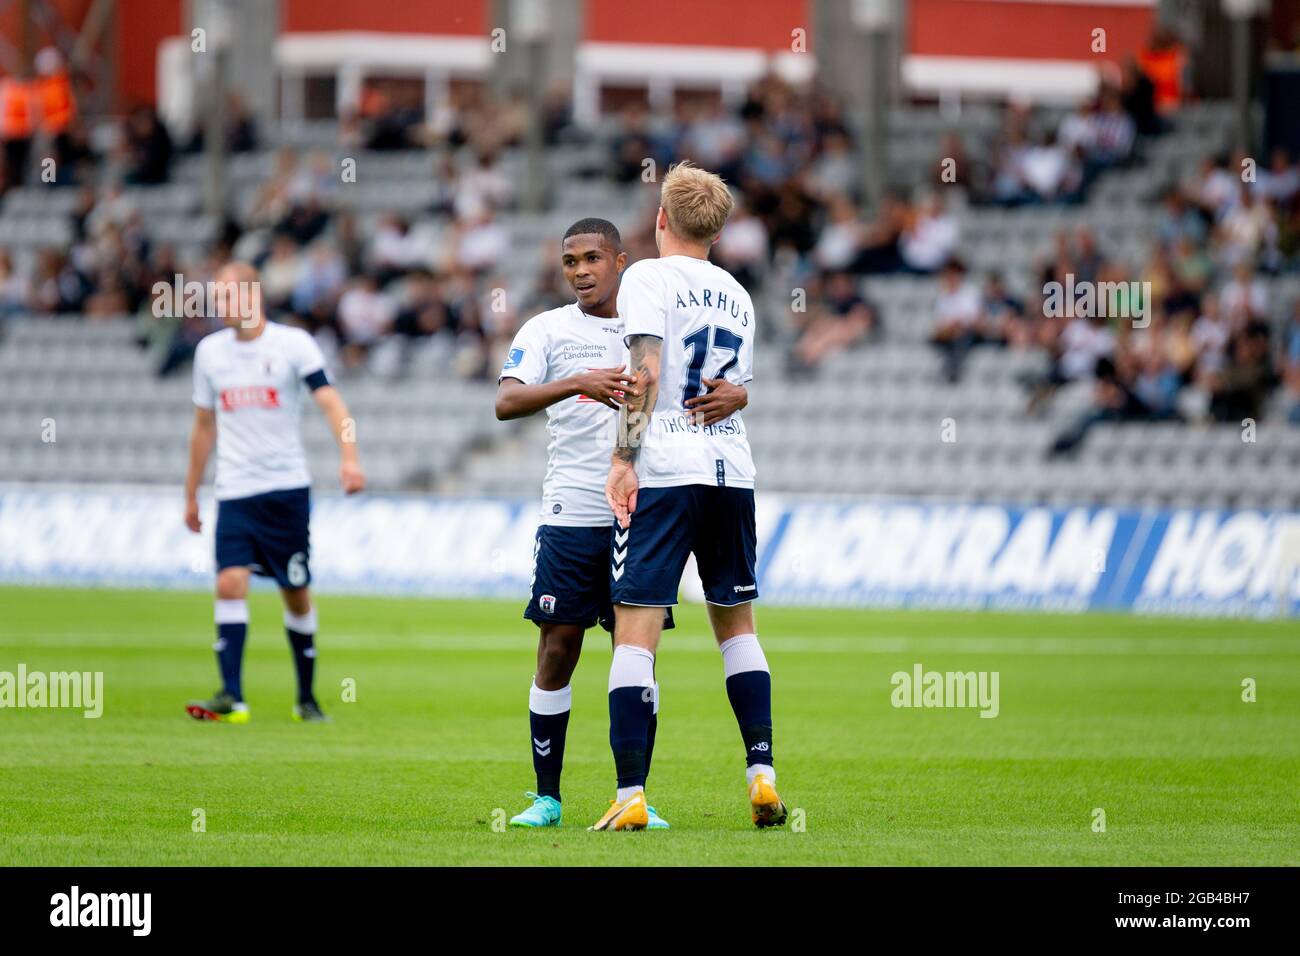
678,487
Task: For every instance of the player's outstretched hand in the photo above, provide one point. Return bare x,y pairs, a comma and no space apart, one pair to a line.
192,515
620,491
606,385
352,478
722,400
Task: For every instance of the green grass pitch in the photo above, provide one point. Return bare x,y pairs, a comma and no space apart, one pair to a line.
1142,718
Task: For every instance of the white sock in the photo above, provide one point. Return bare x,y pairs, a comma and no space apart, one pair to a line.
301,623
742,653
632,667
625,792
754,770
230,611
550,702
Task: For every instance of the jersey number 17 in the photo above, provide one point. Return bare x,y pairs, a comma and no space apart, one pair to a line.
700,343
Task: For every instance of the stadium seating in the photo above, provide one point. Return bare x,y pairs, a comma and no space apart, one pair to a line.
868,424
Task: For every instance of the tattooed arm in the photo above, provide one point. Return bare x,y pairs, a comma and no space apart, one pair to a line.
633,424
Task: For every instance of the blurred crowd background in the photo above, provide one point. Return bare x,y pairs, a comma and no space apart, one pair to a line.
804,236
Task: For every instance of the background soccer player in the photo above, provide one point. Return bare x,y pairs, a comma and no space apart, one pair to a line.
248,381
691,487
564,361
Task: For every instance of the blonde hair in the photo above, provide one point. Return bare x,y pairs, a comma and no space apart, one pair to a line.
696,201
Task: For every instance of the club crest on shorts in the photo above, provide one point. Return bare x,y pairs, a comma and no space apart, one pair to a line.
547,603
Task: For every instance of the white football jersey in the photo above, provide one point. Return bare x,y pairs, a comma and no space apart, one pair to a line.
707,323
555,345
256,389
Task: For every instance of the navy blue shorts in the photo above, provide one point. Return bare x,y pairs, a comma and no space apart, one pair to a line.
669,524
268,534
571,578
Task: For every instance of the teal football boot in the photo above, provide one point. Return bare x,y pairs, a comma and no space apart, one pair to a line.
545,812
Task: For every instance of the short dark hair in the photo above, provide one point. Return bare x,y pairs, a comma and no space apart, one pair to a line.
599,227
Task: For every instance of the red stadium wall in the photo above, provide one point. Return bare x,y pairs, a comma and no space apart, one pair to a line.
1027,30
450,17
141,26
760,24
991,30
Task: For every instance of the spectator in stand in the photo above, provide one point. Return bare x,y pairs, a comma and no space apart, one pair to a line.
241,125
280,274
1240,390
767,164
112,209
1191,265
959,320
480,242
1211,333
148,148
929,239
1088,260
841,238
634,144
347,239
1138,95
1280,183
839,320
1115,133
1178,220
396,250
1213,187
57,109
1247,230
742,249
836,169
17,127
1074,356
420,315
715,139
366,315
1164,61
1006,182
390,117
485,183
1078,131
1244,296
241,128
880,241
1049,172
1113,401
321,278
1004,314
790,220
